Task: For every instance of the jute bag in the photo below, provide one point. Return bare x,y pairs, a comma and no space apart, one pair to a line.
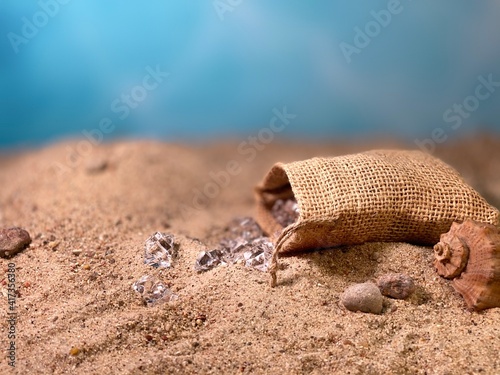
375,196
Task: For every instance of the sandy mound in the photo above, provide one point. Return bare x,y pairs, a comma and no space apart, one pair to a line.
89,217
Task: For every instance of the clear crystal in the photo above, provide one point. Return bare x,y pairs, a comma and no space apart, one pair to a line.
208,259
285,212
245,228
160,250
259,254
234,250
153,291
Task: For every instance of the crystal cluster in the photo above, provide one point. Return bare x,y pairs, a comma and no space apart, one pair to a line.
160,250
246,244
153,291
285,212
259,255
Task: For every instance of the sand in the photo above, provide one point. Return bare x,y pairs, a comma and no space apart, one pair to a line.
77,312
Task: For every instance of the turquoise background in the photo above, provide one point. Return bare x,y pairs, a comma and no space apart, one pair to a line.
230,65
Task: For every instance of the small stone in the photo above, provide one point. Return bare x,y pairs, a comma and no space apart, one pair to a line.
201,317
96,165
77,252
86,266
74,351
396,285
348,342
53,244
364,297
12,241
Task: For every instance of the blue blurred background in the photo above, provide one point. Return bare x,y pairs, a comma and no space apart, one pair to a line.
63,63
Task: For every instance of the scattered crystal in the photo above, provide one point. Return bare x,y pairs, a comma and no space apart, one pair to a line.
160,250
246,244
285,212
234,250
208,259
259,255
153,291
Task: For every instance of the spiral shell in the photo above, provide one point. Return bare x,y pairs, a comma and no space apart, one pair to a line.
470,255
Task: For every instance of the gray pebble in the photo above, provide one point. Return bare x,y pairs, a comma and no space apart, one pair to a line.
12,241
364,297
396,285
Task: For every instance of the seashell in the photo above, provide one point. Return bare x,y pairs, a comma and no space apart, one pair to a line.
470,255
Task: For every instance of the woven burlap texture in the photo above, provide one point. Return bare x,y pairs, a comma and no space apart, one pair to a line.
375,196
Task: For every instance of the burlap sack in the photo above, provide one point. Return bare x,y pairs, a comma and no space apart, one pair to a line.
375,196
